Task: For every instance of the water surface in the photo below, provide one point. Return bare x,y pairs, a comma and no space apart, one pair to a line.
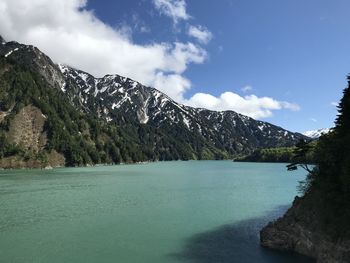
167,212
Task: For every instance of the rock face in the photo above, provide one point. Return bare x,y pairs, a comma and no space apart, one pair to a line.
27,129
298,231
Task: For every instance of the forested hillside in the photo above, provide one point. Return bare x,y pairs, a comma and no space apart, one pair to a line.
282,154
54,115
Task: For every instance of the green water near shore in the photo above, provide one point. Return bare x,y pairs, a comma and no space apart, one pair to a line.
196,211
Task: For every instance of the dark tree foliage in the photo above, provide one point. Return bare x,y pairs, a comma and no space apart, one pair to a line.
271,155
330,184
301,157
343,120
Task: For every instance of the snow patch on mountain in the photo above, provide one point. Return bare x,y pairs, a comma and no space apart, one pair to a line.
10,52
123,100
315,134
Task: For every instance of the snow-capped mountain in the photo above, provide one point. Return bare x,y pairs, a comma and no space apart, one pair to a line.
121,100
315,134
139,122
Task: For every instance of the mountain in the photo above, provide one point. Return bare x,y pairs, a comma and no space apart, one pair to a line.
55,111
315,134
123,100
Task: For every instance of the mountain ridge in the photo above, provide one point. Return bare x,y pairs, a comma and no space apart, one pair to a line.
155,107
158,127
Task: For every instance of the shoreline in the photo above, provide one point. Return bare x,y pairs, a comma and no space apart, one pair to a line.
104,164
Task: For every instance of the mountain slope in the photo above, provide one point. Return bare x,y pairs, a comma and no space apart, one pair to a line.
31,82
115,119
115,97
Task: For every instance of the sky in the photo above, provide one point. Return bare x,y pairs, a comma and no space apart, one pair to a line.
284,62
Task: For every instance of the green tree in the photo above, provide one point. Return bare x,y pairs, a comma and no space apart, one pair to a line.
343,120
330,185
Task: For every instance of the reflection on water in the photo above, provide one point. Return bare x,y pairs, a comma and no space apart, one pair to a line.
236,243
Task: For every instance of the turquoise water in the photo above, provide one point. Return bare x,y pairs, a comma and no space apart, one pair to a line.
196,211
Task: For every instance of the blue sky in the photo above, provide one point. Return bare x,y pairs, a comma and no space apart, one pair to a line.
284,62
291,50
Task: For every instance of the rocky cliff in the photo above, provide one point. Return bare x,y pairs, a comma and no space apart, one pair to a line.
26,131
299,231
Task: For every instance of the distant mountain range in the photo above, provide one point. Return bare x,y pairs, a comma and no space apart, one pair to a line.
315,134
77,119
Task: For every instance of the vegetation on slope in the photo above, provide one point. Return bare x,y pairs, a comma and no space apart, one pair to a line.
83,138
46,114
80,138
269,155
281,154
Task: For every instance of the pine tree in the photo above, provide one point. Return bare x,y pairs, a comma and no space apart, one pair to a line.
332,180
343,119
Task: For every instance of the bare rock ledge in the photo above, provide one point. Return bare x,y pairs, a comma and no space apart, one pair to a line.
298,231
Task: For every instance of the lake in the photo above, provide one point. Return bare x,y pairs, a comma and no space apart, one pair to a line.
165,212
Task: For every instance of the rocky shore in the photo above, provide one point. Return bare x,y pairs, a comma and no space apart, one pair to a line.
298,231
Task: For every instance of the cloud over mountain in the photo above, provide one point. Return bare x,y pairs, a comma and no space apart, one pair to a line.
71,34
251,105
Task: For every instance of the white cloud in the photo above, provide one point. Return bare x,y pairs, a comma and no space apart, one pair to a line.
247,88
175,85
251,105
181,53
70,34
313,120
175,9
201,33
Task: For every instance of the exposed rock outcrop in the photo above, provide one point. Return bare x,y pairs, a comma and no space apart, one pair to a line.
27,129
298,230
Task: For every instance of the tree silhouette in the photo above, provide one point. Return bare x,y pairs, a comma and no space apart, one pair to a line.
343,120
300,158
